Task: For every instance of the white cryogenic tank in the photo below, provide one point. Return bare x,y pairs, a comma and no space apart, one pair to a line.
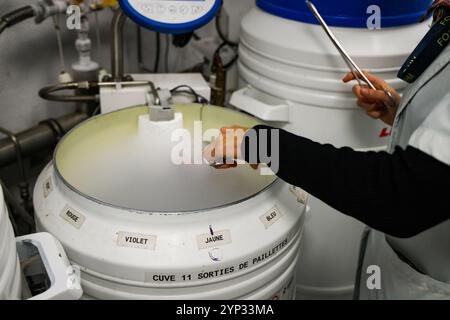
291,78
10,274
141,227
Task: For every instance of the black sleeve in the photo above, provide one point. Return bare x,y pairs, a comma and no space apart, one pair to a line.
401,194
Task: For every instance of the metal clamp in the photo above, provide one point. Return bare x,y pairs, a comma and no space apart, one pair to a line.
161,106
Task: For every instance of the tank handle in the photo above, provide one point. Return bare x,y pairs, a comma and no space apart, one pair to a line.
248,100
64,277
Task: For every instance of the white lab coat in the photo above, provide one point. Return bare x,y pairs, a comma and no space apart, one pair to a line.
422,121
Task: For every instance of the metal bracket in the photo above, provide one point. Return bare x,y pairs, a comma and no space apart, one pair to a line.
160,104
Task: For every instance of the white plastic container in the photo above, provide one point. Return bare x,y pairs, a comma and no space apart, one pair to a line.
10,277
121,220
291,77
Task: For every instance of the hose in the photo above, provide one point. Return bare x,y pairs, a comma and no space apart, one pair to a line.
220,32
15,17
232,61
198,98
21,212
24,185
18,150
158,52
47,92
12,220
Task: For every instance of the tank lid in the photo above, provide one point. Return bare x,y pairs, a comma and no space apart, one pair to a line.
349,13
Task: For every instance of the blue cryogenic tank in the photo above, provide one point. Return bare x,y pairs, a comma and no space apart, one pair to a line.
348,13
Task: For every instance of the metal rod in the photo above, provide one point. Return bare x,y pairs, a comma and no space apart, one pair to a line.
117,59
18,209
348,60
353,72
123,83
337,44
60,42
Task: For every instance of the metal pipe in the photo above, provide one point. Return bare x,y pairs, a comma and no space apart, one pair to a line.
117,64
18,151
36,139
153,89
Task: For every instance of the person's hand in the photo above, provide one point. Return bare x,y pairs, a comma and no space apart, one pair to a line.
223,152
374,101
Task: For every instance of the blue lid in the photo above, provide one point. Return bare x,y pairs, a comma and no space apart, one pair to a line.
172,28
348,13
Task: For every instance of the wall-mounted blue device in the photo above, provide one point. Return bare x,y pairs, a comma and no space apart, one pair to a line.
171,16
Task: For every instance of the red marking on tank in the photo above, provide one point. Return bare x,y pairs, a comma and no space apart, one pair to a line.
385,132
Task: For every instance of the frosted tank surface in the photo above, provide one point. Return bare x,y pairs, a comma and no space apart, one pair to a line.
109,160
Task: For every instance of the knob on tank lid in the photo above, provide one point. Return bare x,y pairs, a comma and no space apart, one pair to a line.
349,13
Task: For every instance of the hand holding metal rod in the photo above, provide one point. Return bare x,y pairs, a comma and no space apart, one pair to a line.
354,68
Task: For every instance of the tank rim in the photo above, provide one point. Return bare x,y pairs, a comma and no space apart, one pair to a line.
106,204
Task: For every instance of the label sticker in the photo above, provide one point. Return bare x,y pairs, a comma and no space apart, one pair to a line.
48,187
209,272
73,217
302,195
214,239
270,217
136,240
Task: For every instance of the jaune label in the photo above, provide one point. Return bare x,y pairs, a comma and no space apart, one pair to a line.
136,240
73,217
270,217
218,238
